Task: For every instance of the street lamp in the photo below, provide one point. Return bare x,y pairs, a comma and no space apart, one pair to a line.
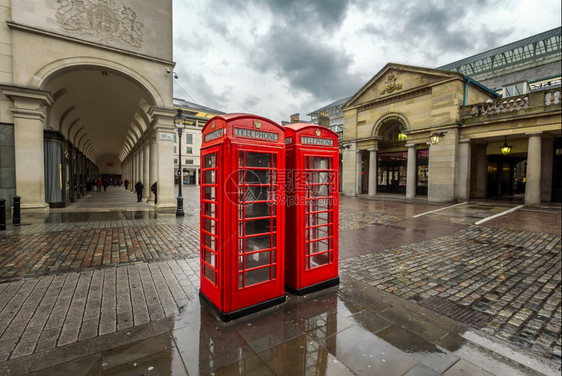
505,148
179,126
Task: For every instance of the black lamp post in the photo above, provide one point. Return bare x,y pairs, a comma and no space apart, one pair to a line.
178,124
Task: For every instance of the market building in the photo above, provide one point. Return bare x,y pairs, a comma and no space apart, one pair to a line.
85,90
486,126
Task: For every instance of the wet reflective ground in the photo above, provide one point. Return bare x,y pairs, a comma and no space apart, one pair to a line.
350,330
108,287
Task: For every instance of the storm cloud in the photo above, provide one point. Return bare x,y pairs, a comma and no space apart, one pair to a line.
278,57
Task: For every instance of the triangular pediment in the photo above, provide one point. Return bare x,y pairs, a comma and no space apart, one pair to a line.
396,79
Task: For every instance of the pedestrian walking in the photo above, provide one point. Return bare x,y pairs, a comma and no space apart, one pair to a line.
126,183
89,187
138,189
99,184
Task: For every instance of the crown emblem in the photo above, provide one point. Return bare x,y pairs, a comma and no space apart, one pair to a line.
318,133
213,125
257,124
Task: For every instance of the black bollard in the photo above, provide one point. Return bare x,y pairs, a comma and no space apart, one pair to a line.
2,214
16,217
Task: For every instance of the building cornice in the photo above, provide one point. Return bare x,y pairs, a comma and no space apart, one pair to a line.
44,98
418,92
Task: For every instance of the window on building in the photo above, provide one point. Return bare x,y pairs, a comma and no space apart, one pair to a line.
175,151
175,138
189,161
189,138
175,161
189,150
515,89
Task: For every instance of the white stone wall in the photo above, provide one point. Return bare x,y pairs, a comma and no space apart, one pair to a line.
443,161
138,26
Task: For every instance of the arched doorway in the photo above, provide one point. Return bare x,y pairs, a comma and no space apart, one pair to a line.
392,158
98,114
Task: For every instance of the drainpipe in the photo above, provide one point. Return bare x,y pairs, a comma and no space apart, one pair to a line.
465,90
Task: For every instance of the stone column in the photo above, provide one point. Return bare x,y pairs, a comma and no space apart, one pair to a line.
533,185
358,182
131,169
138,165
135,170
29,118
547,155
196,176
481,173
463,170
349,185
145,171
411,171
153,162
163,127
141,163
373,171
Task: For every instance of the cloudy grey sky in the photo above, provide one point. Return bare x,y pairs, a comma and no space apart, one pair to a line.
275,58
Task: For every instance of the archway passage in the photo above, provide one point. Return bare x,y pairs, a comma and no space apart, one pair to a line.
392,157
98,115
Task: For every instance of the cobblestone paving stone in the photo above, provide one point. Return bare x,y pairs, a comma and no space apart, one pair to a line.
360,213
55,248
511,278
503,278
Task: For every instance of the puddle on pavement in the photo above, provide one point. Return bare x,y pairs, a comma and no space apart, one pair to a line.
99,216
342,331
420,349
152,356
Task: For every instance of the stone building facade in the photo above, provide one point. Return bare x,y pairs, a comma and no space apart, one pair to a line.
196,116
437,132
85,90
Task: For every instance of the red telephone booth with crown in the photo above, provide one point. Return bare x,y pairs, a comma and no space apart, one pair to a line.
312,202
242,214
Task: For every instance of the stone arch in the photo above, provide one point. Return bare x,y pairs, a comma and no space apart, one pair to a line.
63,118
391,116
53,68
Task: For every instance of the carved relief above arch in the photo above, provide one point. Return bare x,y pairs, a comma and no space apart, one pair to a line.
389,117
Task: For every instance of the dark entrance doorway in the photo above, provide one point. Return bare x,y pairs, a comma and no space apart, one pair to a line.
557,171
422,169
391,174
506,175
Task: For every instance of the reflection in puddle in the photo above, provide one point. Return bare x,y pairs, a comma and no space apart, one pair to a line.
420,349
67,217
343,331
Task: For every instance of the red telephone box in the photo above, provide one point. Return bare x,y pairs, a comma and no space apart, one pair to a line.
311,245
242,214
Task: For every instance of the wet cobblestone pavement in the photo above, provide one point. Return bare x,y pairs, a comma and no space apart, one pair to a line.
508,282
56,248
76,285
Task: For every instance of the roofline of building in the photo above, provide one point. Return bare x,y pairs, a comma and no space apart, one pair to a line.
505,47
182,102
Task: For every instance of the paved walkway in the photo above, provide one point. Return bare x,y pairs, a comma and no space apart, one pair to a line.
423,292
